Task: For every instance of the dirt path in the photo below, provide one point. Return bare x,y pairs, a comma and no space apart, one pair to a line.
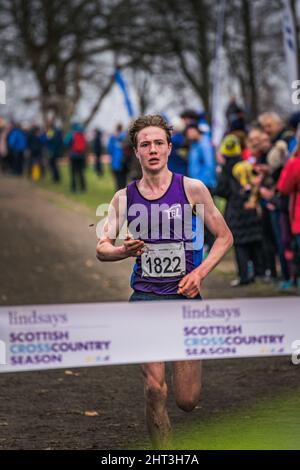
48,250
47,255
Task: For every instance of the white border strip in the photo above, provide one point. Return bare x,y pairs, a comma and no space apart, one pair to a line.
43,337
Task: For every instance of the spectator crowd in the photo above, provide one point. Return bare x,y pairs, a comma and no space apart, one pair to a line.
255,171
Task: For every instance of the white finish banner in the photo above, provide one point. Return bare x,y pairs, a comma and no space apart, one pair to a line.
79,335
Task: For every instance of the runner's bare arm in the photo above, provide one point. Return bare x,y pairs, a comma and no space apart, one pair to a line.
197,193
106,249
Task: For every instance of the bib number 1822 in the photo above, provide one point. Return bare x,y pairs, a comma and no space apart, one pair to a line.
164,265
163,260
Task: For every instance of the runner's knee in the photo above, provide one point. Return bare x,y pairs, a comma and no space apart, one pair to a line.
189,402
156,392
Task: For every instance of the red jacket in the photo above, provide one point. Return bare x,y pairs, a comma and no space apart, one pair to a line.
289,184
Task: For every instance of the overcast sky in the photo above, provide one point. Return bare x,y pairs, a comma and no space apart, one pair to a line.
113,108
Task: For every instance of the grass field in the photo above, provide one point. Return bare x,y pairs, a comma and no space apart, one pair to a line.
99,189
267,425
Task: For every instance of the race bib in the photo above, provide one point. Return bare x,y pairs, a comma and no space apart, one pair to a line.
163,260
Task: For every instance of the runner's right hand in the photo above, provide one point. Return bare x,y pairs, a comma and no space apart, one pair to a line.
133,247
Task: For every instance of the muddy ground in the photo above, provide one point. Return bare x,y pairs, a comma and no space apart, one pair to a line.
47,255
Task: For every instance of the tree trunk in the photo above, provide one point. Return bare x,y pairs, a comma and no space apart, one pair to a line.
249,46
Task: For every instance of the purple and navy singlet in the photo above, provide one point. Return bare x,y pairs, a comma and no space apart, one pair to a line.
171,232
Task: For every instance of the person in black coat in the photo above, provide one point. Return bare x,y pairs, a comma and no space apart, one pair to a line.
241,217
35,148
98,150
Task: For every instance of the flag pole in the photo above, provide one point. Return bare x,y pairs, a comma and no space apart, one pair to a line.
217,130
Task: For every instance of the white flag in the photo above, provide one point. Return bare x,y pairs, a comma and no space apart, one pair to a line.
217,114
290,44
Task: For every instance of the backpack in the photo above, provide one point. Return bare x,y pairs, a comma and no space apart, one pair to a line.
78,143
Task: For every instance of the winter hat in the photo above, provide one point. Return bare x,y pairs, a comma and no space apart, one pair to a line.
230,146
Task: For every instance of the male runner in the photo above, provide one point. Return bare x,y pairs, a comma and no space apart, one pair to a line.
164,269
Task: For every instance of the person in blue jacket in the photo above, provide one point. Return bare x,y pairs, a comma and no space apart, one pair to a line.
201,166
17,143
201,158
178,158
118,164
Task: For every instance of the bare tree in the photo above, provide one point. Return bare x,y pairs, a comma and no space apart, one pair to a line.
67,45
73,48
253,44
177,40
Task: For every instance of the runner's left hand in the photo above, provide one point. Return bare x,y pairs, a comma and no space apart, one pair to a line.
189,285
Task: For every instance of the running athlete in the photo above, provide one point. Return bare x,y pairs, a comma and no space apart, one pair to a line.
166,267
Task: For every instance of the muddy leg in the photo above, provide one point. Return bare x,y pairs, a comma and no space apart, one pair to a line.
157,418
